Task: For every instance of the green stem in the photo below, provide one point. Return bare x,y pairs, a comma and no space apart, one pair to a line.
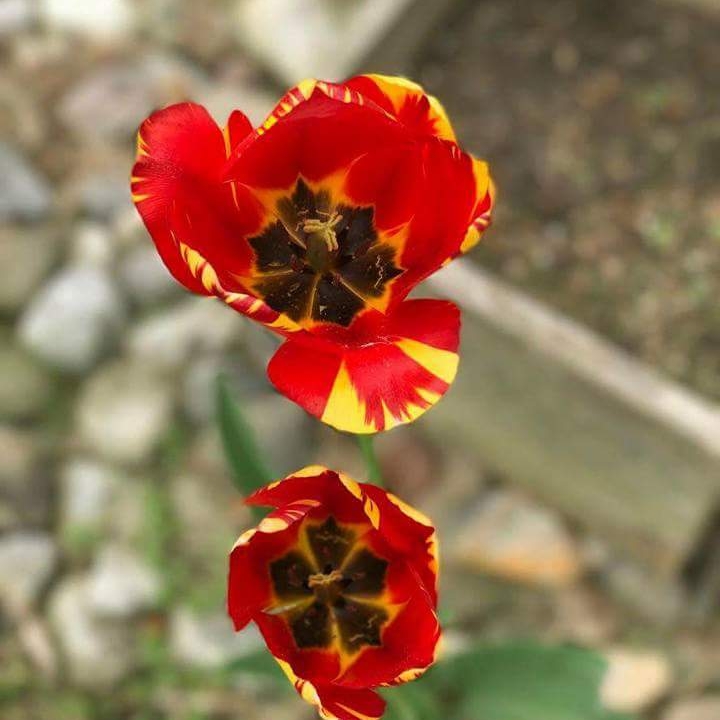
371,462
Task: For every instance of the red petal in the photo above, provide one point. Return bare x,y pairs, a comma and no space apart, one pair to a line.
335,495
392,370
181,144
410,534
315,138
249,588
406,101
337,703
409,647
178,187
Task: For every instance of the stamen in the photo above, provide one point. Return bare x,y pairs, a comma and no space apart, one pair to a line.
323,229
324,579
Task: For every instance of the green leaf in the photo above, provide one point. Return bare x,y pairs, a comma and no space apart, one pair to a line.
417,700
243,456
523,681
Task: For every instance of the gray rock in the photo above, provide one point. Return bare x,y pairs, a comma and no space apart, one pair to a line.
209,641
700,708
73,319
87,494
144,277
92,245
27,560
509,536
15,16
123,411
102,194
30,252
97,652
308,38
171,337
113,99
121,584
104,19
24,193
24,385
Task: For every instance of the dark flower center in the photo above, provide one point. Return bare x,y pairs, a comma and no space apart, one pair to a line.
332,591
321,262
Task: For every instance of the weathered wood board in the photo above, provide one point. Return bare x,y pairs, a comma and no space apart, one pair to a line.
533,401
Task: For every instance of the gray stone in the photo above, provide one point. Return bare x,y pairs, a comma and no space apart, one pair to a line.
97,652
27,560
104,19
314,38
144,277
73,319
15,16
30,252
700,708
121,584
87,494
92,245
24,385
209,641
113,99
24,193
171,337
123,411
101,194
509,536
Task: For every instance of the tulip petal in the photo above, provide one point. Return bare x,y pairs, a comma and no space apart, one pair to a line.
366,387
249,580
406,101
178,188
337,703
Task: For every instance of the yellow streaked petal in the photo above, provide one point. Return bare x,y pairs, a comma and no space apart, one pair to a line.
309,471
344,408
441,363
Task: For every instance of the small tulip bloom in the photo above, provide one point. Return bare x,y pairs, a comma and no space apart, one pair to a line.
341,581
318,224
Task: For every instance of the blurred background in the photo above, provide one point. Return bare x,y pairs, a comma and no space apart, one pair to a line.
578,498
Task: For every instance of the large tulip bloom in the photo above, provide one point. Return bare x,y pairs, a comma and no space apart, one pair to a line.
341,581
318,224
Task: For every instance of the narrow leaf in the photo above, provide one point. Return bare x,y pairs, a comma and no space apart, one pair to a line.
247,468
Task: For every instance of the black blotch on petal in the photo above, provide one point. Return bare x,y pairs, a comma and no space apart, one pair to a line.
369,273
356,229
365,574
274,249
330,543
289,575
359,624
312,627
335,303
289,293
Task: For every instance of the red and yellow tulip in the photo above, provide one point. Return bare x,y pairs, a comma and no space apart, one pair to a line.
341,580
318,224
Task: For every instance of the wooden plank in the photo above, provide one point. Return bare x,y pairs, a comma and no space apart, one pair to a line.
588,429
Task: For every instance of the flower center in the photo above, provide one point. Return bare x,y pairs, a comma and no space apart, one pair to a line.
321,261
343,601
327,587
